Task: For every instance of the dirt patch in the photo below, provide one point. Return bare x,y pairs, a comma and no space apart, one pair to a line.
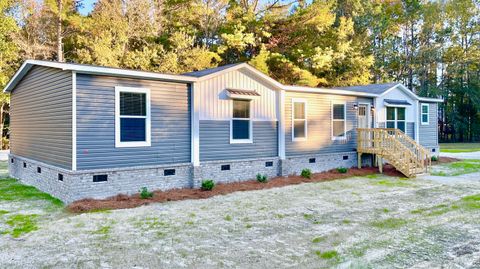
129,201
445,160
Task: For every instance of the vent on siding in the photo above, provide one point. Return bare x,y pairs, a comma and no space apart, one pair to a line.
24,165
433,150
39,169
12,160
225,167
60,177
345,157
312,160
100,178
169,172
268,164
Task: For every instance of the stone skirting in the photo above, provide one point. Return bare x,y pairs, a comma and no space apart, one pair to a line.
322,162
70,186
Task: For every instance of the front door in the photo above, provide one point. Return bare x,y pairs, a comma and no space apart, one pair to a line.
362,116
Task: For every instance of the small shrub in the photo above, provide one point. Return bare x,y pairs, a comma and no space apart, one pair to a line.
342,170
306,173
262,178
208,185
434,158
145,194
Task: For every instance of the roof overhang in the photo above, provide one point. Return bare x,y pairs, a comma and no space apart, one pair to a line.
242,94
94,70
392,102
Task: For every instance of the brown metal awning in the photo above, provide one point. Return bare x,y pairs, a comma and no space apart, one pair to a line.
242,94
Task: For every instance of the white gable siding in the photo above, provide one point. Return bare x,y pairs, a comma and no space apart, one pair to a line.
215,105
395,94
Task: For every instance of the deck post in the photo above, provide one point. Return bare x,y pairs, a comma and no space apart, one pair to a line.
359,160
380,164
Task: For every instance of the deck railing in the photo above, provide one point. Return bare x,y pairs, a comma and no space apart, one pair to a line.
399,149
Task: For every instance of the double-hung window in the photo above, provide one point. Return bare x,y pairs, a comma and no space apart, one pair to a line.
396,118
132,117
339,123
425,112
299,120
241,124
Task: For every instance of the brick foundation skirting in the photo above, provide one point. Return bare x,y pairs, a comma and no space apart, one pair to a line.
70,186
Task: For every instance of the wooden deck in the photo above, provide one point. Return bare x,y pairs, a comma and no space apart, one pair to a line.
394,146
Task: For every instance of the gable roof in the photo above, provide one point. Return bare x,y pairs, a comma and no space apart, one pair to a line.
371,88
93,69
209,71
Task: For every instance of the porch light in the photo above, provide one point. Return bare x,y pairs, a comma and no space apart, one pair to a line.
372,108
355,106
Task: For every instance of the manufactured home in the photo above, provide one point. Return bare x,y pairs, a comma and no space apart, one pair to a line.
80,131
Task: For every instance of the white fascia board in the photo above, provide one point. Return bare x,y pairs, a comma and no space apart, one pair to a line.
430,100
95,70
327,91
248,67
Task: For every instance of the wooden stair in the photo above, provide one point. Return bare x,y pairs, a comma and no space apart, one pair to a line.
393,145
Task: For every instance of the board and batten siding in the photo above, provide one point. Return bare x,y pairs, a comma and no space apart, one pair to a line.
215,141
215,105
319,124
41,117
170,124
428,134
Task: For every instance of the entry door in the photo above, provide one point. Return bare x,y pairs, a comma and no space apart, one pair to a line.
362,116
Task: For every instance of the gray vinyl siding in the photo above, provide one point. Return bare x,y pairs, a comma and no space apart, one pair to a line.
411,129
429,133
215,141
41,117
170,124
319,124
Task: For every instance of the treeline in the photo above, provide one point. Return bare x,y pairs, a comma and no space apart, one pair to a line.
433,47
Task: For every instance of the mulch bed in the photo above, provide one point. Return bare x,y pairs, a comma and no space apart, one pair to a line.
445,160
130,201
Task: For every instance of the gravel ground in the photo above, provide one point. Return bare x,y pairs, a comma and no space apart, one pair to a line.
462,155
365,222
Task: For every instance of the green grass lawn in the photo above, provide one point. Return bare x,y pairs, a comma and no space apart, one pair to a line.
459,147
457,168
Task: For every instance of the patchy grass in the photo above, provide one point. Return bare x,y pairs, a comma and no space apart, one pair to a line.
466,203
327,255
393,182
22,224
390,223
457,168
3,212
104,230
318,239
459,147
13,190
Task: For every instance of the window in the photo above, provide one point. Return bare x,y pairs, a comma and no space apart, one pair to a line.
132,117
338,121
268,164
60,177
225,167
345,157
312,160
169,172
425,112
396,118
100,178
241,125
299,120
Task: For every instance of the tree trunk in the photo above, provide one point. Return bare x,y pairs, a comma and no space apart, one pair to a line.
59,32
1,125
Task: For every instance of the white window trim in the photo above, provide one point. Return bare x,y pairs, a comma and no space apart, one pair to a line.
396,120
344,137
120,144
304,101
250,127
428,114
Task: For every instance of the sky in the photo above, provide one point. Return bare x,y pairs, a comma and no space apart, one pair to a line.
87,6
